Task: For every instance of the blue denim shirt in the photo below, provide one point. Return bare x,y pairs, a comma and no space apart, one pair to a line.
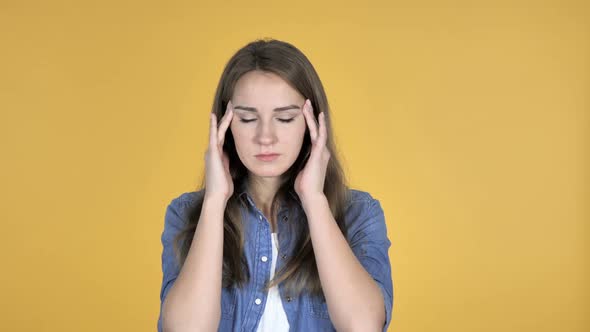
367,234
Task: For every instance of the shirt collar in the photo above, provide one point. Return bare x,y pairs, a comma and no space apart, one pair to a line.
244,194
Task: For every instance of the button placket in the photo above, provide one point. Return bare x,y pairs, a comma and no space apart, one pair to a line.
263,258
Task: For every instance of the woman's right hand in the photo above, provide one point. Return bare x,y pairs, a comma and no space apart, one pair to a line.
219,184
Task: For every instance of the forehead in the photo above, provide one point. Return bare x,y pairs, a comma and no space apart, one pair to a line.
261,89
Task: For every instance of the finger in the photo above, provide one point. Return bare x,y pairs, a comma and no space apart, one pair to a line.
212,130
323,131
224,124
223,116
310,119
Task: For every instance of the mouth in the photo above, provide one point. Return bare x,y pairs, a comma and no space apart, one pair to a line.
267,157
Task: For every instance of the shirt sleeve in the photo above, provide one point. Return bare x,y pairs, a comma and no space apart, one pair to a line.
370,244
174,221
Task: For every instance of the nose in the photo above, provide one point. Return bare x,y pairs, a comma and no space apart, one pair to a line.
265,133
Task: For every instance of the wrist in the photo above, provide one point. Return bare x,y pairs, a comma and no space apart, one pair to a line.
310,199
215,201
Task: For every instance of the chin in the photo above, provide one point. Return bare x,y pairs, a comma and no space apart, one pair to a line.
267,170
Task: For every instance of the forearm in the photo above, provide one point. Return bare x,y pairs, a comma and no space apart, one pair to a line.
354,300
194,301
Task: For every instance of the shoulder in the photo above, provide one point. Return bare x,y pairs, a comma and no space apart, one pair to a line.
357,195
185,198
180,206
363,209
361,201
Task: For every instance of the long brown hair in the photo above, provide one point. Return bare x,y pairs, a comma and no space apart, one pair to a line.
300,273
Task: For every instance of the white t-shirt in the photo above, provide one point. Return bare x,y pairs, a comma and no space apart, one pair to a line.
274,317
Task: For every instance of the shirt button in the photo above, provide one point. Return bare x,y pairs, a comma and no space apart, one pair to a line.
258,301
285,218
283,256
288,299
264,258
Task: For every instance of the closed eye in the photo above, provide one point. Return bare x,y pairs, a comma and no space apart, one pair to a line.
282,120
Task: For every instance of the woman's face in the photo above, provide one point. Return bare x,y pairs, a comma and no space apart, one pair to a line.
275,122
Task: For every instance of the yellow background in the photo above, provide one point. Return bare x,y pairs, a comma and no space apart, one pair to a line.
468,121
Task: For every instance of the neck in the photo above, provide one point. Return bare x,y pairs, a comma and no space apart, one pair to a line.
263,191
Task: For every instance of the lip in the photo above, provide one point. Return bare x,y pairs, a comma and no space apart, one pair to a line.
267,157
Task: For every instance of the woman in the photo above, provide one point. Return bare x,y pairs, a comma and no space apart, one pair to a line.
292,248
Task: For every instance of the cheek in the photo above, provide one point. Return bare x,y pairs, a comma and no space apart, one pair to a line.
237,135
300,131
294,138
235,131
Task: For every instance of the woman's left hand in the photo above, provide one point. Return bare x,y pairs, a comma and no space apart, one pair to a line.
310,180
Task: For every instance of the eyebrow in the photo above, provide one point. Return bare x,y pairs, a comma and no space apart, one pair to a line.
278,109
